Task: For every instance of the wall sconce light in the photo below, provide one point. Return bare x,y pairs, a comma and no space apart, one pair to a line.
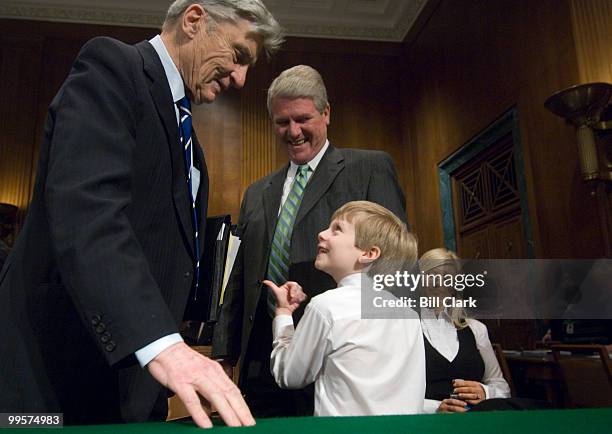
582,106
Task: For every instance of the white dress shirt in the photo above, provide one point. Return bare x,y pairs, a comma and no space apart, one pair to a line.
441,333
292,171
177,87
359,366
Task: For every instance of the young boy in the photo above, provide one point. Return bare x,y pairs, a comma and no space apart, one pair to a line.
359,366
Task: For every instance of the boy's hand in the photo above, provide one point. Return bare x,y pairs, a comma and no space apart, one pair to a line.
288,296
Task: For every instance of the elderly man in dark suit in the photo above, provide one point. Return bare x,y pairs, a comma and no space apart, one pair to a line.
92,294
280,218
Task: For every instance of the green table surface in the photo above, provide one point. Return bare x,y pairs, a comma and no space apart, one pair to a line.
523,422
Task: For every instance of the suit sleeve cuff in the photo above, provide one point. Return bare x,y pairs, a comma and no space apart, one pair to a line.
149,352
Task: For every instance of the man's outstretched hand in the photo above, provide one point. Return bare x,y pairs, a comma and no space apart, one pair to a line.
288,296
191,375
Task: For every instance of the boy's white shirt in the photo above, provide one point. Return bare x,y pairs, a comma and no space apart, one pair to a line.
359,366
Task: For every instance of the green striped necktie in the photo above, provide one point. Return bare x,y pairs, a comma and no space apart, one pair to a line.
278,263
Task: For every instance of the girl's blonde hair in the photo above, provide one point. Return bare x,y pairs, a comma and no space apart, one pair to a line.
433,260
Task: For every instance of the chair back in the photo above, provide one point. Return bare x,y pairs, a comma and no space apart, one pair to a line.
503,364
586,374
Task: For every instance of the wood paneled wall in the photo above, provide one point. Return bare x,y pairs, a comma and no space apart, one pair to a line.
259,154
235,131
471,62
35,58
20,68
592,26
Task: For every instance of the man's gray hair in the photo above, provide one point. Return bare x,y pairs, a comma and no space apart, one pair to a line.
301,81
254,11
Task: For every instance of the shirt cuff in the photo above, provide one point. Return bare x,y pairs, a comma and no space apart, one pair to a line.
486,390
430,406
151,351
279,323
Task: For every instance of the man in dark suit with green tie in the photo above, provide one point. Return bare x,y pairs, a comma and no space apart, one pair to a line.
280,217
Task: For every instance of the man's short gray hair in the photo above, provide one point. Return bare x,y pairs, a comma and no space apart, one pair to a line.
301,81
254,11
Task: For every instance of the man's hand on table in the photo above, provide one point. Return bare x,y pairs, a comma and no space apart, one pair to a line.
191,375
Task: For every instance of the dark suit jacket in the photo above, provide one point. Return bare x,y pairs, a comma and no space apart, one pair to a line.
343,175
104,263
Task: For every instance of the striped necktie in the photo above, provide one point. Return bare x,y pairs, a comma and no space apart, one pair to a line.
278,263
184,106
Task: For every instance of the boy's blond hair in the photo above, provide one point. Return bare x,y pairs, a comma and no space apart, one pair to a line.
376,226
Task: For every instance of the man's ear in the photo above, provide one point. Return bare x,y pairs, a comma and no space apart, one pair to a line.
193,20
370,255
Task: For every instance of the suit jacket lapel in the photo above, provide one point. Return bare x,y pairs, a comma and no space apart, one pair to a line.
329,167
272,194
162,97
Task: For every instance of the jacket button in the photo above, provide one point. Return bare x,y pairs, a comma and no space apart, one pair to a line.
110,346
187,274
259,282
95,320
100,328
251,318
105,338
